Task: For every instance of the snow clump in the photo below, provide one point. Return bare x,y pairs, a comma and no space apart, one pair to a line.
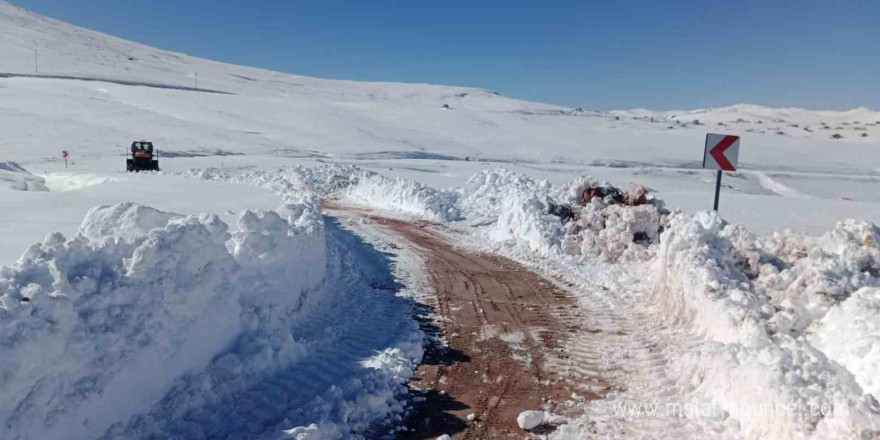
529,420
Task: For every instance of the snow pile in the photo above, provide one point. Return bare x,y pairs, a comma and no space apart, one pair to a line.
703,281
699,282
125,220
404,196
826,288
354,184
286,181
850,335
789,280
283,251
16,177
90,326
556,221
519,206
485,192
113,317
614,233
817,273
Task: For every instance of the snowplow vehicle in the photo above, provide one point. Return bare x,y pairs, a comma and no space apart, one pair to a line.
143,157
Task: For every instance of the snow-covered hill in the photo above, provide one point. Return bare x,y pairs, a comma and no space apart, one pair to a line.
311,335
94,93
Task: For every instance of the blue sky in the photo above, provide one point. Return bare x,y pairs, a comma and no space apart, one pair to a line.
598,55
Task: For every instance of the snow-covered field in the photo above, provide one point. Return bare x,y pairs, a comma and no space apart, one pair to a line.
802,178
188,304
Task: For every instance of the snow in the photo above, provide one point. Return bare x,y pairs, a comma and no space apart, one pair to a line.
70,306
73,181
139,313
703,282
124,220
758,303
26,217
268,118
404,196
157,305
16,177
850,334
530,419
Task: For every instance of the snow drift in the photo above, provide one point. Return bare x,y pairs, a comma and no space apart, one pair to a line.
404,196
112,317
16,177
704,281
90,326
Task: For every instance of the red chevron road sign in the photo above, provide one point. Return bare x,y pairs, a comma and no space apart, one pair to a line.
721,152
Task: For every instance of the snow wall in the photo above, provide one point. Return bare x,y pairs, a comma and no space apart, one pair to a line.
98,327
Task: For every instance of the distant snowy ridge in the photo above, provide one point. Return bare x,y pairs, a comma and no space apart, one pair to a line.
754,113
115,88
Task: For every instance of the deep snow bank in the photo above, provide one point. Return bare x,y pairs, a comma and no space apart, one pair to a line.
99,327
720,280
87,326
850,334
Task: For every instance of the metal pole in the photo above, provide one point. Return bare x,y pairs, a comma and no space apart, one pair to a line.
717,190
36,64
197,80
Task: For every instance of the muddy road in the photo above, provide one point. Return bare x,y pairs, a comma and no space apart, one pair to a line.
503,323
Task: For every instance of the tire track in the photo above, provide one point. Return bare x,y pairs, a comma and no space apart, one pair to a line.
503,324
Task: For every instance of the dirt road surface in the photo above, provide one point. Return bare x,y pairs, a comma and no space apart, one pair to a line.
503,323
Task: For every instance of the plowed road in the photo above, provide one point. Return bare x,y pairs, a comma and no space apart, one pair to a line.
502,323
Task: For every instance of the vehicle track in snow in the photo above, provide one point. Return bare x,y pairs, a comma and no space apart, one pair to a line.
626,342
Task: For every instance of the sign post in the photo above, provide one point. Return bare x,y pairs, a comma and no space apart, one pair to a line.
65,154
721,153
